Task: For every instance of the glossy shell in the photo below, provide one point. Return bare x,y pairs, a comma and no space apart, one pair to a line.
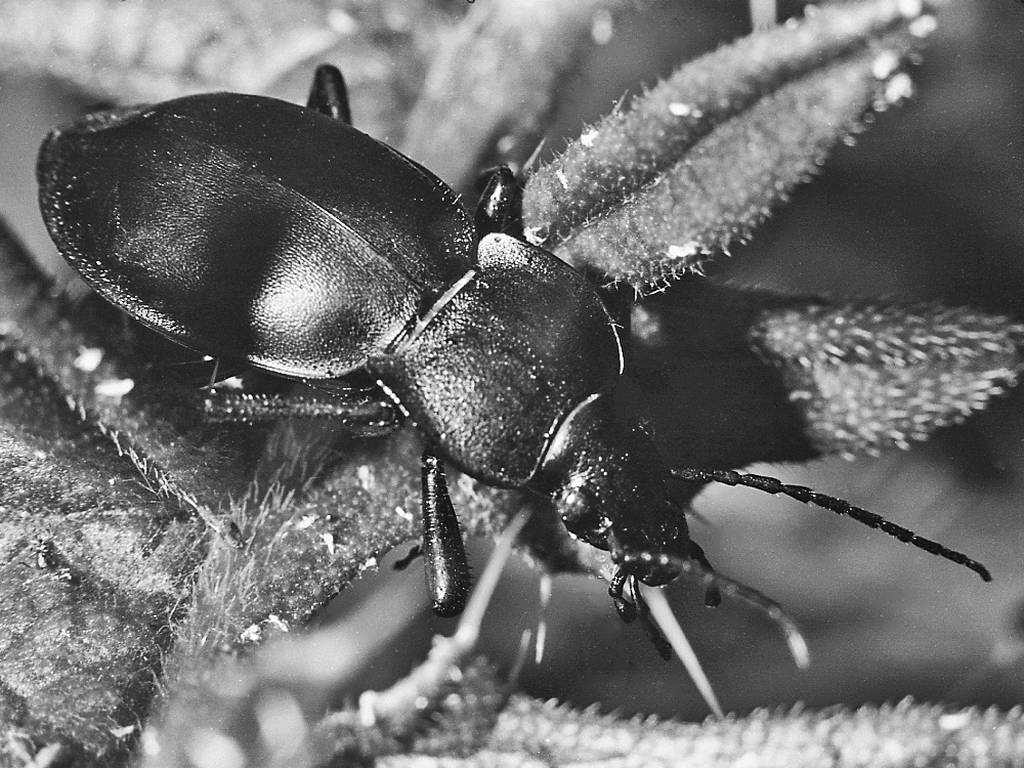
495,373
251,228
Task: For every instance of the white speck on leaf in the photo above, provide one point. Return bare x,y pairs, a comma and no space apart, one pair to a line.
123,732
365,476
342,22
602,29
212,749
305,522
954,721
277,622
884,64
533,235
645,326
899,87
150,742
681,109
114,388
684,251
251,634
328,540
923,26
910,8
89,359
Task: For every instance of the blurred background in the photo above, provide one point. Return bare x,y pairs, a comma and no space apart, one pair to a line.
926,206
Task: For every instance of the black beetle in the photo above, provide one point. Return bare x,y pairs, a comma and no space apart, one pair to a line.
251,229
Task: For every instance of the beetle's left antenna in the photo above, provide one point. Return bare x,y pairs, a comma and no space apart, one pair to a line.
693,569
831,503
328,94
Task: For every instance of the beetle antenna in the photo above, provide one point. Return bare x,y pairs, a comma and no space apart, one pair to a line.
839,506
734,589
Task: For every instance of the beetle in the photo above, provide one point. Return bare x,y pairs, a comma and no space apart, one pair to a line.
256,230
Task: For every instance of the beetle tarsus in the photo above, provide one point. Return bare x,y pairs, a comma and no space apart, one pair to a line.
500,207
626,610
328,94
637,608
444,555
713,595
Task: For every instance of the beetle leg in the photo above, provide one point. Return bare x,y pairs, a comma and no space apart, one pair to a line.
500,208
643,612
444,555
358,415
329,95
629,611
625,609
713,595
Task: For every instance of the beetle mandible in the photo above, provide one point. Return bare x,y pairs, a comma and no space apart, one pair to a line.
252,229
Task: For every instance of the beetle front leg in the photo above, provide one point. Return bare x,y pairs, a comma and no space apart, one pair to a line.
329,95
444,555
357,413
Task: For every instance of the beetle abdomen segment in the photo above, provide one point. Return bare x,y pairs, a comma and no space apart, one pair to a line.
252,228
504,361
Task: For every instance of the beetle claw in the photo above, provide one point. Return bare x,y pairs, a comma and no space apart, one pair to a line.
626,609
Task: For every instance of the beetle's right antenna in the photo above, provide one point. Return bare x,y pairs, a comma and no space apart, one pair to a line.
839,506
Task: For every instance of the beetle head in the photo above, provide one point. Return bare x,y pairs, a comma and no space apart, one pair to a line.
609,484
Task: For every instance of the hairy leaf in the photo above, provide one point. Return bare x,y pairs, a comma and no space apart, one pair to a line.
870,376
308,533
787,379
92,569
533,733
698,161
316,511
